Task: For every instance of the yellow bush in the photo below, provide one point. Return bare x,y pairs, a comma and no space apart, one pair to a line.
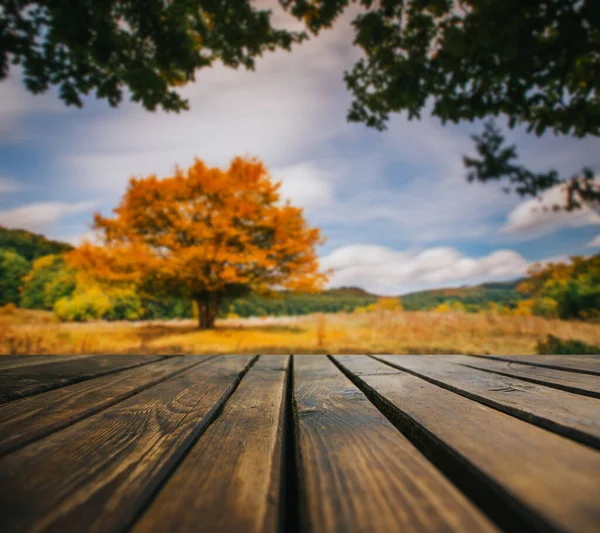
458,307
524,308
383,304
453,306
89,305
498,309
8,309
389,304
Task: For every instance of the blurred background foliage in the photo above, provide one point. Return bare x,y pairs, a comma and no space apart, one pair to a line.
32,278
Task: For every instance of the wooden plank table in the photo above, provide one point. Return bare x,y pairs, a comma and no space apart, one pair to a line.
309,443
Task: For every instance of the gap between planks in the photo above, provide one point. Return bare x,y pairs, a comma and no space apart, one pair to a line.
523,476
116,459
572,415
34,417
581,364
25,381
583,384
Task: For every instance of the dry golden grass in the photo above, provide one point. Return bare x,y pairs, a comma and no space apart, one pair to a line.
410,332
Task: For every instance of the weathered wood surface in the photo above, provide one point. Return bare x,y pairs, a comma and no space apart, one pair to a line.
231,479
15,361
586,384
542,480
27,419
300,444
18,382
570,414
115,459
358,472
583,364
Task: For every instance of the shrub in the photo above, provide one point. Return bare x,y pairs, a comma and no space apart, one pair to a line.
48,281
546,307
8,309
566,290
498,309
555,346
90,305
13,267
524,308
383,304
125,304
389,304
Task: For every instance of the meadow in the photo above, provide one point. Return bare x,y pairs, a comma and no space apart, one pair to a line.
418,332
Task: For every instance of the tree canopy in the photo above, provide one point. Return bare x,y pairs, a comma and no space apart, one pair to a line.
205,234
148,47
12,268
48,280
566,290
535,62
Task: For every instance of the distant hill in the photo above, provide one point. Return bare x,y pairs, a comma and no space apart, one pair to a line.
351,292
289,303
30,245
498,292
349,298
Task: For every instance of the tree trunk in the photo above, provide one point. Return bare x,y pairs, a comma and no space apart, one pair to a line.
208,307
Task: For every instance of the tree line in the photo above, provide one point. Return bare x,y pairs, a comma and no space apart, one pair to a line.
48,282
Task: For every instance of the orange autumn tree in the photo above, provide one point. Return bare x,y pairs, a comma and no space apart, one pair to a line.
205,234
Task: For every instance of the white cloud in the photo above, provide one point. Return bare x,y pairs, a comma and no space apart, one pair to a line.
537,217
8,185
383,270
594,243
409,184
305,185
38,216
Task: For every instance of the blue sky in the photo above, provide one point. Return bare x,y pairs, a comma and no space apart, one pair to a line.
395,206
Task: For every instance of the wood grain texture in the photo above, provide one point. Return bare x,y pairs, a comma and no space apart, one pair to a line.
24,381
585,364
358,473
585,384
230,480
31,418
572,415
549,480
15,361
97,474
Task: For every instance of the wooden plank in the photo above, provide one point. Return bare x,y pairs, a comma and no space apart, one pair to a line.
230,480
585,384
358,473
15,361
24,381
528,477
31,418
585,364
572,415
97,474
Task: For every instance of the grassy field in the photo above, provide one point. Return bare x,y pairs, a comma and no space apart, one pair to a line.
37,332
